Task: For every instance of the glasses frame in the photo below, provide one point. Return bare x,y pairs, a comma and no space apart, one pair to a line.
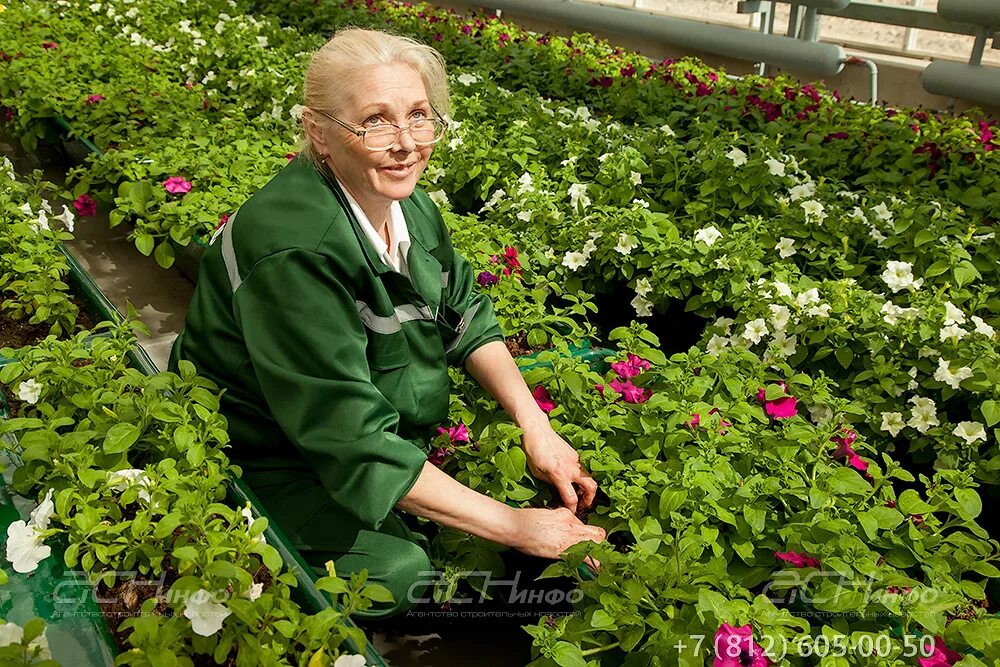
399,131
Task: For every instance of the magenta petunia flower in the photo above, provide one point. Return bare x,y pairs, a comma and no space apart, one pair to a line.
176,185
223,219
458,433
631,367
627,71
49,45
780,408
543,399
485,278
695,421
438,455
85,206
630,392
94,99
796,559
844,449
735,647
941,657
290,156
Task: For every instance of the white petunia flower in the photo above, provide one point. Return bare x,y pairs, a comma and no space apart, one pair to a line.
26,209
786,345
776,167
822,310
438,197
42,222
29,391
738,157
524,216
892,313
494,200
122,479
970,432
951,378
893,422
899,275
708,235
578,196
626,244
25,549
254,592
883,213
802,191
643,307
635,177
785,247
814,210
953,314
468,79
982,327
640,202
67,218
724,323
753,331
350,661
12,633
262,41
717,344
810,296
527,185
589,247
952,332
782,288
575,260
206,616
296,111
454,143
780,316
642,287
667,130
248,515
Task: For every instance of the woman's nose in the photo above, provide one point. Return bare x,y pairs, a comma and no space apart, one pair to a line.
405,143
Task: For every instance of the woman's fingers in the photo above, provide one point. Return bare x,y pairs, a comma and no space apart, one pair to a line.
567,493
589,486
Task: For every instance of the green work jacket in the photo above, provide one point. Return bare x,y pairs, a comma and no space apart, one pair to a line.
334,365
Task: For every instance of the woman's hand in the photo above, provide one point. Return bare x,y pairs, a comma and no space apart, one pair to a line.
553,460
546,533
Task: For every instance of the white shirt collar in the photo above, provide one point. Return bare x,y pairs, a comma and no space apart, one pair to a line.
399,235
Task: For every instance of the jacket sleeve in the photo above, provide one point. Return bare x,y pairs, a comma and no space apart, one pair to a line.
477,323
307,345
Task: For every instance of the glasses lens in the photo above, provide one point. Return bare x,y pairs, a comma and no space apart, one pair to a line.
380,137
427,131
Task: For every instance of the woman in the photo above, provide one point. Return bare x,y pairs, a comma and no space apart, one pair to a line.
329,309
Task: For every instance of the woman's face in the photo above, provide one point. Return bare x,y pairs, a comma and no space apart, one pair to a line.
390,94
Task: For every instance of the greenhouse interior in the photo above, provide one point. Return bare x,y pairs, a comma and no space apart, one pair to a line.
674,324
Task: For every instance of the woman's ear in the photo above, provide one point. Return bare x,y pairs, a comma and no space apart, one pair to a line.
314,132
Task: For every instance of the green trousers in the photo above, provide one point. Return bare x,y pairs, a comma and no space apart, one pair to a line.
396,555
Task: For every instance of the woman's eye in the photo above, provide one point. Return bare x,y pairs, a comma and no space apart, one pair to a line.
419,113
373,121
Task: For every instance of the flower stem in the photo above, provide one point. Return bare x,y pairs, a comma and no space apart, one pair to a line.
598,649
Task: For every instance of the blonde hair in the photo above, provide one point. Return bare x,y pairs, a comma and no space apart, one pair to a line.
334,70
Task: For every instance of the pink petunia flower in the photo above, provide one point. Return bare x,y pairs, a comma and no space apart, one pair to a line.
94,99
735,647
85,206
695,421
543,399
176,185
290,156
796,559
458,433
941,657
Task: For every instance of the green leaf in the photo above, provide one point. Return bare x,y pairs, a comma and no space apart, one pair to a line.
671,500
991,412
120,437
164,255
845,356
167,525
969,502
910,503
602,620
847,480
511,463
568,655
378,593
144,243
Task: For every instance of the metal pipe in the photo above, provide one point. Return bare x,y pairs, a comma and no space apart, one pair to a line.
810,26
813,58
793,21
979,47
968,82
872,75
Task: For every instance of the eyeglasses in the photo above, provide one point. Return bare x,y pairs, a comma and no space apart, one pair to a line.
424,132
